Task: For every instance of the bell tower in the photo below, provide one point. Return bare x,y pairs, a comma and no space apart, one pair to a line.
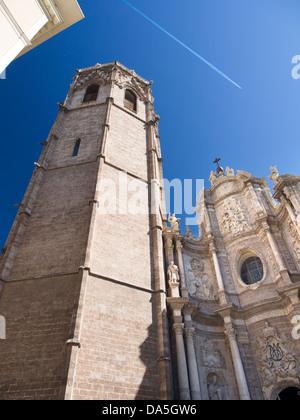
83,288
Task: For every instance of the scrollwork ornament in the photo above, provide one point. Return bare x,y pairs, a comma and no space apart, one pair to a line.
277,362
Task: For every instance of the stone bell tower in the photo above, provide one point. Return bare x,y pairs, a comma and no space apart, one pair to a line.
82,273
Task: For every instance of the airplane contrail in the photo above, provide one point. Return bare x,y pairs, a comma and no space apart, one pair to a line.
182,44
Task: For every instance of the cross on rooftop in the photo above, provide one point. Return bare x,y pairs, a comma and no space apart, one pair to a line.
219,169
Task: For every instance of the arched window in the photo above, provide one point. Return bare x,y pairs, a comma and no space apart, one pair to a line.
130,100
91,93
76,147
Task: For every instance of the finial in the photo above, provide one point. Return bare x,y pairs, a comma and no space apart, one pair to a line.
274,174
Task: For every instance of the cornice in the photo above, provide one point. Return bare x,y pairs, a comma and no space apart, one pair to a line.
114,73
256,308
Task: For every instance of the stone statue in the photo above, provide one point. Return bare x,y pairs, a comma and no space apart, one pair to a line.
229,171
213,177
173,273
215,392
175,222
207,287
274,174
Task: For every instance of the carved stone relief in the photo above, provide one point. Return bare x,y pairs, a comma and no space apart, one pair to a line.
213,366
200,287
296,241
97,75
234,218
215,387
211,356
124,79
277,362
189,234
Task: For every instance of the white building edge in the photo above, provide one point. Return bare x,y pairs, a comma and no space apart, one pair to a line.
25,24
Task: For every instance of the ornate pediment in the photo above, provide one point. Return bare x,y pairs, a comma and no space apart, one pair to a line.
95,74
127,79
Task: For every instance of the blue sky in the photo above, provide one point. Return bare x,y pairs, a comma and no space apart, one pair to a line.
203,115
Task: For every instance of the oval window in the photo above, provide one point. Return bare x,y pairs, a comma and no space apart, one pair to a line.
252,270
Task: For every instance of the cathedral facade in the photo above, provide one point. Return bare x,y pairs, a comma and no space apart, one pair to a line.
102,295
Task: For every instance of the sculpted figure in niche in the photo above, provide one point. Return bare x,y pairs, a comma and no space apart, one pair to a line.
175,222
215,391
173,273
207,287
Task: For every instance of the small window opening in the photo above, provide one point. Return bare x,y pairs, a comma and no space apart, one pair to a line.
76,147
91,93
289,394
130,100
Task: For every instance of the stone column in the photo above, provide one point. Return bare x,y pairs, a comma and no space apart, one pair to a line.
192,364
275,249
277,254
218,275
169,247
293,195
238,365
184,390
184,290
258,207
291,213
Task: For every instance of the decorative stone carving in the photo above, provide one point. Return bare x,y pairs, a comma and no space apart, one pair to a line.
197,266
189,234
96,75
200,287
213,177
229,172
274,174
175,222
277,362
212,357
124,79
234,217
297,252
295,235
214,388
168,243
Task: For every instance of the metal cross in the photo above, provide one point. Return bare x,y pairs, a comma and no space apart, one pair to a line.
219,169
